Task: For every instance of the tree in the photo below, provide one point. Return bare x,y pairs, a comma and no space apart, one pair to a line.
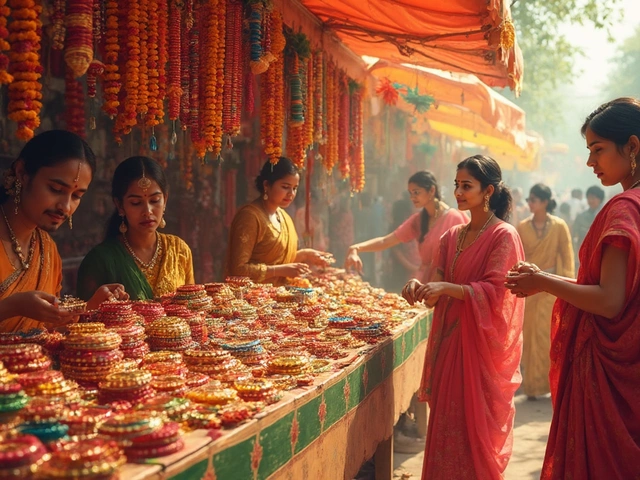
549,55
624,81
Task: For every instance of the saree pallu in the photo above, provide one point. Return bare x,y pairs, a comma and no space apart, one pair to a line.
428,248
110,262
44,274
472,365
595,364
254,243
553,253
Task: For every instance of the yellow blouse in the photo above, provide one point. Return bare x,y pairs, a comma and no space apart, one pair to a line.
255,243
175,269
553,252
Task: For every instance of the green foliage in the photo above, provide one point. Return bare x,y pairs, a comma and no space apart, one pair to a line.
624,80
297,43
549,56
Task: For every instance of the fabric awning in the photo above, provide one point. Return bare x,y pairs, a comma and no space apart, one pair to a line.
473,36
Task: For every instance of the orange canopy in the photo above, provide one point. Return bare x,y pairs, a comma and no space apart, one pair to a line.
473,36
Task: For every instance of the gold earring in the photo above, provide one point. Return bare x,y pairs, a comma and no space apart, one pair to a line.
162,223
265,196
70,222
633,165
123,226
16,199
486,203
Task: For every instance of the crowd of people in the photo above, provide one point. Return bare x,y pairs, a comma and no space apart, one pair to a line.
504,296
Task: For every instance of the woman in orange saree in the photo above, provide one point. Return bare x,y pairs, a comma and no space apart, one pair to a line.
472,366
263,243
595,327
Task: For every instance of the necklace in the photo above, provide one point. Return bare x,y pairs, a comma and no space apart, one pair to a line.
152,263
540,232
461,238
17,249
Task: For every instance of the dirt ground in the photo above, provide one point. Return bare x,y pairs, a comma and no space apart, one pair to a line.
529,442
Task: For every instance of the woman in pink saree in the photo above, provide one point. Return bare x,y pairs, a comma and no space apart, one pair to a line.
595,325
472,366
426,227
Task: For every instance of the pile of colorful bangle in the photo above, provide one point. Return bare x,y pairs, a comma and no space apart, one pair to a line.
194,297
204,416
238,281
303,295
214,393
41,418
258,390
21,456
148,310
342,322
250,351
215,363
323,348
12,400
169,333
160,369
117,314
88,459
132,386
50,383
370,333
122,319
51,342
175,385
342,336
244,311
175,409
83,421
133,345
289,364
195,379
24,358
91,351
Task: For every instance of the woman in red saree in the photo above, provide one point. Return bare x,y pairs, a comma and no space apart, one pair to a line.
595,330
472,366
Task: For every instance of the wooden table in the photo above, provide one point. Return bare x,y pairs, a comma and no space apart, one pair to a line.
323,432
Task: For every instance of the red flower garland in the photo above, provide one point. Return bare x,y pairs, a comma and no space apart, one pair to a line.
111,85
174,89
5,78
58,29
343,130
142,106
74,104
185,68
163,56
154,103
232,96
78,21
357,147
24,65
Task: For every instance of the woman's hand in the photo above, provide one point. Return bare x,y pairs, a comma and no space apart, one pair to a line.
111,291
317,258
429,293
353,261
40,306
522,279
291,270
409,291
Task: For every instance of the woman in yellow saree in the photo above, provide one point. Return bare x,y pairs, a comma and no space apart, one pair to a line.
263,243
42,189
149,264
547,243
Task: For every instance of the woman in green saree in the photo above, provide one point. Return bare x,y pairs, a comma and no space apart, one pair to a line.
149,264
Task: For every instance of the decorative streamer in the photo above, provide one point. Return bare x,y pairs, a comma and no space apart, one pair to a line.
78,49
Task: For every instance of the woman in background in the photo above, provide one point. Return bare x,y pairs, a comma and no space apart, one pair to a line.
547,243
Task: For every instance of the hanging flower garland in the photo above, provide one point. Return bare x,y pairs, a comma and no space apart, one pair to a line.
24,65
318,97
98,24
133,63
96,69
111,84
194,82
357,137
272,113
5,78
78,51
344,116
154,102
220,54
309,99
74,104
57,24
174,88
232,95
163,57
142,104
295,131
258,62
185,68
209,39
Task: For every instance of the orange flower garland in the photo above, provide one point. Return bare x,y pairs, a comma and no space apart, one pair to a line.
57,24
195,37
174,88
142,106
310,114
357,146
24,65
219,59
111,84
163,56
232,95
318,97
295,124
78,21
343,129
185,69
132,79
154,101
278,40
330,153
4,45
279,109
208,22
272,112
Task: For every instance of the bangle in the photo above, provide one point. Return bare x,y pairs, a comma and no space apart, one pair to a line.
462,288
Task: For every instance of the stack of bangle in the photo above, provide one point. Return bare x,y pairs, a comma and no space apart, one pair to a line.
148,310
238,281
132,386
289,364
212,394
117,314
162,356
90,353
199,331
257,390
159,369
285,296
24,358
195,380
371,334
164,441
170,384
49,383
21,456
169,333
84,421
325,348
236,413
133,345
94,458
205,417
45,431
12,400
194,297
342,322
175,409
210,362
123,427
72,304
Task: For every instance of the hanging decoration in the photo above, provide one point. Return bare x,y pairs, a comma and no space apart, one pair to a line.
152,116
344,117
74,114
258,63
185,68
387,91
330,153
309,101
421,103
295,131
128,113
142,97
163,58
194,82
220,50
25,95
96,69
357,137
5,78
232,96
78,48
111,82
319,97
98,23
56,18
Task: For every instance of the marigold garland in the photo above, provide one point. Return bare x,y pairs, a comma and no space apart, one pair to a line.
278,40
74,114
96,69
208,24
142,105
295,130
78,48
194,84
163,56
5,78
58,29
98,24
318,97
330,150
154,103
309,95
133,64
174,89
344,116
111,82
357,143
232,96
220,57
272,111
185,68
24,65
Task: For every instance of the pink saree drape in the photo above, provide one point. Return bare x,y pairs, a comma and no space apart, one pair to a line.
472,366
